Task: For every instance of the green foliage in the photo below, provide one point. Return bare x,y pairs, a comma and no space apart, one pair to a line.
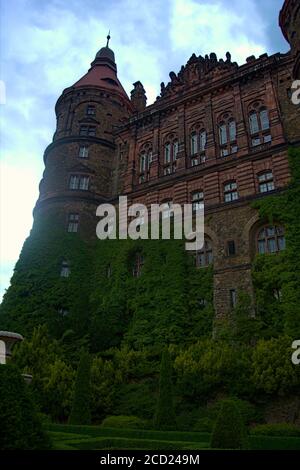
58,390
165,416
285,430
229,431
212,366
20,426
273,370
124,422
81,413
281,316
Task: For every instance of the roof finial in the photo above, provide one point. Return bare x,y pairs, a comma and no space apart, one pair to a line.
108,38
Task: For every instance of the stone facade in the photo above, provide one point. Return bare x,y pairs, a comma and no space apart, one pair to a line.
147,153
289,21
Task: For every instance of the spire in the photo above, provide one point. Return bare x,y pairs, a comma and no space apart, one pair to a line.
108,38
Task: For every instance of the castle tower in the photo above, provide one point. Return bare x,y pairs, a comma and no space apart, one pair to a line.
80,164
289,21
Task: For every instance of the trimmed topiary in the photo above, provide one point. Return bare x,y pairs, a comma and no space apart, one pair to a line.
230,431
124,422
20,425
165,416
81,413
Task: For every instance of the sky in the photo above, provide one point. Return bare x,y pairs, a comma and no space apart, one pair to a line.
47,45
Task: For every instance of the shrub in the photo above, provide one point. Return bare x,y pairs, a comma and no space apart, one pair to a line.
124,422
165,416
278,430
229,431
81,413
204,425
20,426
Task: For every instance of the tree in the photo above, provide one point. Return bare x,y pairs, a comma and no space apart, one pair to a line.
81,413
20,427
165,416
229,431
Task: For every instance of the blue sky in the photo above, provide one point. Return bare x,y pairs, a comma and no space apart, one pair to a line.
47,45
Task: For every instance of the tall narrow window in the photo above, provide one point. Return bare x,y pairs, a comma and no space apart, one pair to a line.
145,159
73,222
266,182
231,248
232,131
230,192
264,119
223,134
175,149
253,123
138,265
167,152
202,137
204,257
65,269
194,145
233,298
83,152
197,200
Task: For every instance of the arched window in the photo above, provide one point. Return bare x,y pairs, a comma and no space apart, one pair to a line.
171,149
198,145
138,265
204,257
270,239
145,159
266,182
227,136
259,125
230,191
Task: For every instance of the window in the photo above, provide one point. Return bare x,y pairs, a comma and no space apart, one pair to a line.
79,182
90,110
204,257
175,149
167,153
233,298
197,200
65,269
138,265
87,131
266,182
108,271
259,125
270,239
73,222
194,146
202,141
231,248
83,152
230,192
223,134
145,159
227,137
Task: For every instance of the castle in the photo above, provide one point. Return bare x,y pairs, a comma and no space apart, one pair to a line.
218,133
